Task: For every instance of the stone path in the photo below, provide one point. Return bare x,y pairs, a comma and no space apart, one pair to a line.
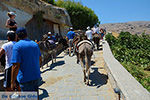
64,80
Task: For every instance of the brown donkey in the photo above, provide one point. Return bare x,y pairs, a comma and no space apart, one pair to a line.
85,52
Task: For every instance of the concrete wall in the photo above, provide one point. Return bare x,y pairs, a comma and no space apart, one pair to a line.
120,78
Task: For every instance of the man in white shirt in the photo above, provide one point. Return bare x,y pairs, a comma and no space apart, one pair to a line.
96,30
89,34
7,50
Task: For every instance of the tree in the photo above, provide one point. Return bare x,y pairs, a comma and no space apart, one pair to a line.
50,1
81,16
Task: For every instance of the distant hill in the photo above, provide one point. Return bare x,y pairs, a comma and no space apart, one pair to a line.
132,27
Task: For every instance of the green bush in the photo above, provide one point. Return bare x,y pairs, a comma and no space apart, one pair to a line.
81,16
111,39
133,52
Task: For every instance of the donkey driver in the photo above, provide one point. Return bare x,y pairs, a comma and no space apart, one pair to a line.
70,36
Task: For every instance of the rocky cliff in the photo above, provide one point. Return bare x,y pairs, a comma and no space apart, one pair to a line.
132,27
26,9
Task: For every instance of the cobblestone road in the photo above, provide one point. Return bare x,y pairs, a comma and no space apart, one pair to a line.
64,80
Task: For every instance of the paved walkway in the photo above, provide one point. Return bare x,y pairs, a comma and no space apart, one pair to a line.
64,80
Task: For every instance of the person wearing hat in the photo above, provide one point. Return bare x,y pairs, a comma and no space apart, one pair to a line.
11,23
51,38
26,62
70,36
102,33
89,33
7,49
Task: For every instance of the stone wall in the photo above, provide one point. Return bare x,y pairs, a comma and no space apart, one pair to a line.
130,88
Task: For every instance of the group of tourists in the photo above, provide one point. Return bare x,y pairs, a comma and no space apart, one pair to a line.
23,56
22,59
89,34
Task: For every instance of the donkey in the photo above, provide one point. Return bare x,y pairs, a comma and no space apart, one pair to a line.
96,39
47,49
85,52
75,42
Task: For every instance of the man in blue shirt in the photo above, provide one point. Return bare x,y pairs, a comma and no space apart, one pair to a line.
26,62
70,36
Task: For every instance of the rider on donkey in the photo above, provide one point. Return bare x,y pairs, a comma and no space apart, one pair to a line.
89,34
51,39
102,33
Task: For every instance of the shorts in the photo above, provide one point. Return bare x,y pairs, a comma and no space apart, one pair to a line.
7,78
70,42
31,85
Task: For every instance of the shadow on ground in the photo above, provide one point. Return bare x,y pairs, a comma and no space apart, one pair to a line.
44,94
98,79
92,62
41,82
60,57
52,66
99,48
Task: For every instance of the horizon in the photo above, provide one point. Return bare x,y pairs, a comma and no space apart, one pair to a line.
126,22
119,11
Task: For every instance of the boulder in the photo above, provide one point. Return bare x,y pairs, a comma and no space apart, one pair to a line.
30,11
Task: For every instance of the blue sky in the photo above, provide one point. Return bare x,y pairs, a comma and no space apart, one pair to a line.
115,11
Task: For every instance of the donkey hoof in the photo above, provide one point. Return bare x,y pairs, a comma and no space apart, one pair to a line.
87,83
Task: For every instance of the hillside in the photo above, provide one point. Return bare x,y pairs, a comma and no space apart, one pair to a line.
132,27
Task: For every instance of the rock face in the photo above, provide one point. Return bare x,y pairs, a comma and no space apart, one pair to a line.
45,16
132,27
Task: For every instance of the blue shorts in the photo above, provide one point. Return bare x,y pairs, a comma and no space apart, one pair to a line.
31,85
